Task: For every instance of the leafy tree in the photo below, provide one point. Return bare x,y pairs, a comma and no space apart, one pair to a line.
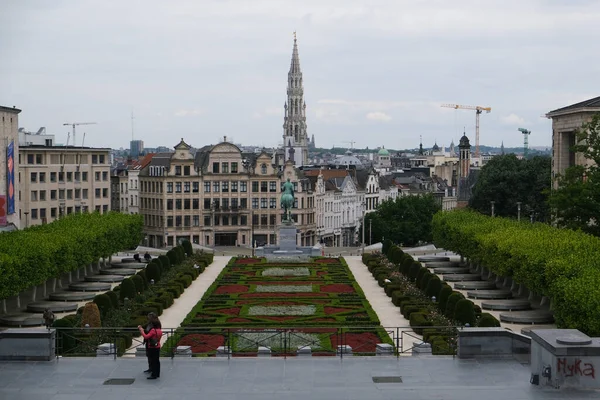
576,201
507,180
406,220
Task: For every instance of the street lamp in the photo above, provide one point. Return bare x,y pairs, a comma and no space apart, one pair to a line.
370,232
363,226
518,211
492,202
26,219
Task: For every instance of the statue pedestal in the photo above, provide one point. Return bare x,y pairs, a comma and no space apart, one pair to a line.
288,250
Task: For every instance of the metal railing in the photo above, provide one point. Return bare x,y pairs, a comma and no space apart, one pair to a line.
209,341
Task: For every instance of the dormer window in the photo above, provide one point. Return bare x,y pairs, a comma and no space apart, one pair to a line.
263,169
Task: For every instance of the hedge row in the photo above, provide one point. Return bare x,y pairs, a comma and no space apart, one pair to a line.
559,263
32,256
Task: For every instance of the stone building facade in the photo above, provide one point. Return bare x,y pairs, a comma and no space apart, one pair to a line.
9,124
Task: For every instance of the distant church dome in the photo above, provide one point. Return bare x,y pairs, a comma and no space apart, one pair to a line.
464,141
348,159
383,152
435,147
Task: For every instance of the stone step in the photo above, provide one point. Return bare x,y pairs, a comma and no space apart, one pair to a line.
136,266
90,286
506,305
54,306
442,264
118,271
104,278
462,278
432,258
451,270
527,331
527,317
22,319
72,296
475,285
493,294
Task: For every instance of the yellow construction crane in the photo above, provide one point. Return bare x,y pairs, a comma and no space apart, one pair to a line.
478,110
74,124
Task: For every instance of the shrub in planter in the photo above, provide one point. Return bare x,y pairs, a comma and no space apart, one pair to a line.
422,271
65,340
104,303
433,287
387,244
465,312
405,265
128,289
418,321
187,247
91,316
414,270
391,287
487,320
441,347
164,260
442,299
172,257
185,280
166,299
114,298
180,254
451,304
155,304
160,266
425,280
138,281
407,310
138,320
175,289
144,311
152,272
396,295
191,272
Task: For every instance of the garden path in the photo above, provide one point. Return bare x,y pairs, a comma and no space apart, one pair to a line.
174,315
389,314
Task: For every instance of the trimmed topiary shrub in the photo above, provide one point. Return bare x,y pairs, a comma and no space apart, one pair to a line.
166,299
418,321
433,287
422,271
487,320
465,312
185,280
451,304
91,316
387,244
128,289
425,280
187,247
391,287
414,271
138,281
164,260
172,257
156,304
104,303
442,299
180,254
114,298
159,263
152,272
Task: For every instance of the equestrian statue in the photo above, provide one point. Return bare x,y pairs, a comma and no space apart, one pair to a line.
287,201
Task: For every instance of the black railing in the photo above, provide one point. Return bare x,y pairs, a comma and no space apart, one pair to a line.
253,341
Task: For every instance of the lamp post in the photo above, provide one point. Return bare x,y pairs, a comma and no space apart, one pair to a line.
26,219
363,227
370,232
518,211
492,202
252,231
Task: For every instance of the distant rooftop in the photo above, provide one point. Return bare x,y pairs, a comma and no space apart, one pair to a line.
591,105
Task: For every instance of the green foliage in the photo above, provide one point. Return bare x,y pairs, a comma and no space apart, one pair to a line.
413,273
418,321
454,298
91,316
153,272
128,289
138,281
32,256
464,312
507,180
164,260
576,201
387,244
442,299
180,254
187,247
559,263
114,298
433,287
487,320
104,303
405,220
172,257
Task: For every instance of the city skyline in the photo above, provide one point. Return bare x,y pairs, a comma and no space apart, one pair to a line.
375,76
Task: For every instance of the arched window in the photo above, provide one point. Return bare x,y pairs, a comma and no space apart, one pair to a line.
296,106
263,169
295,82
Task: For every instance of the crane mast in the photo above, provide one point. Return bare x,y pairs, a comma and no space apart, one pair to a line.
478,111
74,124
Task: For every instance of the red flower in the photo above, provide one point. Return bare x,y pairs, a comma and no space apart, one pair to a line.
229,311
202,343
337,288
247,261
237,319
335,310
229,289
360,342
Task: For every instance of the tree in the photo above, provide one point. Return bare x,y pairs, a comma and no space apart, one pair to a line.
576,201
507,180
406,220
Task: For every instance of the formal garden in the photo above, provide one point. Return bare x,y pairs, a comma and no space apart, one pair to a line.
281,307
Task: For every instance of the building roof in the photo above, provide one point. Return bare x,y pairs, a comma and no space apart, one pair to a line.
12,109
348,159
590,105
383,152
464,141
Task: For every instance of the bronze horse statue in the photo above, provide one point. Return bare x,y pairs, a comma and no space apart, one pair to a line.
287,201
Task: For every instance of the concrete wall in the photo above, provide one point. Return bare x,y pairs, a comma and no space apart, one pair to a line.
491,342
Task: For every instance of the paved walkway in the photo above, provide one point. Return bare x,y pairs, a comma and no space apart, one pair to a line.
389,314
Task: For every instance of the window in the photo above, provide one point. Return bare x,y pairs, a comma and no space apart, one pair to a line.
234,203
34,196
178,204
42,213
42,177
178,170
206,220
30,159
34,213
263,203
273,186
69,194
255,219
177,187
38,159
234,187
225,204
263,187
178,220
34,177
61,194
186,204
52,176
243,187
169,204
263,169
94,158
216,187
186,187
42,195
195,204
169,221
272,219
225,220
243,220
196,187
53,212
84,176
234,168
69,176
225,169
207,204
216,220
243,203
105,192
225,186
254,187
196,220
85,194
186,220
97,193
105,177
78,193
96,176
272,203
53,195
234,220
215,168
255,203
263,219
169,187
101,160
207,187
186,170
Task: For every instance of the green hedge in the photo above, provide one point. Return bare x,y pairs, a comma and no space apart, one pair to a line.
559,263
31,256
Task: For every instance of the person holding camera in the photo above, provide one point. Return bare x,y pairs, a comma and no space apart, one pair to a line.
152,340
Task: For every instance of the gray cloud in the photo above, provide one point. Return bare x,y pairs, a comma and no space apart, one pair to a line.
204,69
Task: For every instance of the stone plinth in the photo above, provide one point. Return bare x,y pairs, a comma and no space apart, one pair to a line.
287,250
565,358
90,286
28,344
475,285
490,294
54,306
421,349
384,349
263,352
223,351
304,351
506,305
528,317
183,351
140,351
491,342
462,278
344,349
105,350
22,319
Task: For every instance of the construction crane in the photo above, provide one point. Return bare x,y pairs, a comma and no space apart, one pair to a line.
478,110
351,143
526,134
74,124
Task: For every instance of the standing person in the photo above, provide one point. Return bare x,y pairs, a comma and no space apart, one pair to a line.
151,317
153,338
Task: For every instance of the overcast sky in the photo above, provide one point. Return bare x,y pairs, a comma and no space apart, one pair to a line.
374,72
